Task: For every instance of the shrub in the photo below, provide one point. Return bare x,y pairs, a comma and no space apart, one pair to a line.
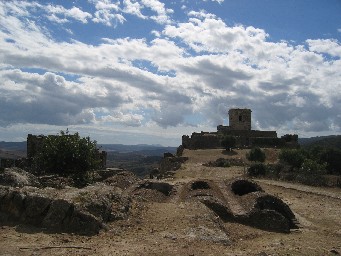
256,155
293,157
67,154
275,170
332,157
256,170
228,142
310,166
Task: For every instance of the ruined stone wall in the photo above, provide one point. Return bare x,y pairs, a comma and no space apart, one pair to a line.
240,128
34,143
201,141
240,119
251,133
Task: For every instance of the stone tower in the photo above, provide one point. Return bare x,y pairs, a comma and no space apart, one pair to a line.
240,119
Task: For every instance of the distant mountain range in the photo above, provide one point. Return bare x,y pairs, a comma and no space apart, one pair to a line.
120,148
13,146
148,150
19,148
333,141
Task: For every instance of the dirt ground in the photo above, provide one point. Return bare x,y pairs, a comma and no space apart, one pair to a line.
176,227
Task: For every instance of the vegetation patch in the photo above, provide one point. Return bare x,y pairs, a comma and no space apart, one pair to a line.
222,162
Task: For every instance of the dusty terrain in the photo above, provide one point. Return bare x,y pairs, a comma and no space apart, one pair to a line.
177,227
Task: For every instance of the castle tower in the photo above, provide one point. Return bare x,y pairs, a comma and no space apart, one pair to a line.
240,119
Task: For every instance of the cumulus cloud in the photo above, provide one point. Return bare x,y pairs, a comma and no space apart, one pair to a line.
50,99
107,12
133,8
200,67
60,14
218,1
202,31
329,46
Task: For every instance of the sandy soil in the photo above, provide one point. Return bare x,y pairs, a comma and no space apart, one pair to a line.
176,227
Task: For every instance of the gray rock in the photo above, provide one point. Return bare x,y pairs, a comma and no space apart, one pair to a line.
36,207
16,177
57,213
84,211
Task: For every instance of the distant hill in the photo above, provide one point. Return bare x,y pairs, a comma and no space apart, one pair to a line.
148,150
13,146
12,150
332,141
140,159
143,149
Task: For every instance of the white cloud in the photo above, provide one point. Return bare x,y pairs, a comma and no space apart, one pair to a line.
162,12
133,8
205,32
59,14
107,13
199,68
329,46
218,1
126,119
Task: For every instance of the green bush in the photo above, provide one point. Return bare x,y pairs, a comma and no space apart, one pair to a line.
256,170
256,155
228,142
275,170
66,154
310,166
293,157
332,157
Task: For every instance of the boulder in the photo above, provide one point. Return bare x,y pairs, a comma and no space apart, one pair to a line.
16,177
84,211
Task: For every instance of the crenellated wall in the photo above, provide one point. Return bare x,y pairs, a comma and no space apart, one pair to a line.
240,128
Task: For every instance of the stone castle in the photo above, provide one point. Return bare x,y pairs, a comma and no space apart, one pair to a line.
240,128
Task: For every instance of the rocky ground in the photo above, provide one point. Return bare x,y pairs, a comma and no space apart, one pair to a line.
165,221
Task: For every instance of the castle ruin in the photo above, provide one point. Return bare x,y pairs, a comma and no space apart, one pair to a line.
240,128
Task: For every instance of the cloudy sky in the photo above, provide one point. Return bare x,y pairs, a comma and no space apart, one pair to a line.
149,71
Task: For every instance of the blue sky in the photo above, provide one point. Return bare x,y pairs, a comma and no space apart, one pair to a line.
149,71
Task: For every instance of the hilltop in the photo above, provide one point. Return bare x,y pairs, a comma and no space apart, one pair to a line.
332,141
165,218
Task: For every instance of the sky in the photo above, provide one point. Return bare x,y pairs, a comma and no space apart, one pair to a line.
149,71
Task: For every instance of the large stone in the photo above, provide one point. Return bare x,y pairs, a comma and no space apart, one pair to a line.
36,207
57,213
84,211
16,177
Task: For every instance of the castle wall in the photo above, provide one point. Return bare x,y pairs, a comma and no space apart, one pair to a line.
240,119
201,141
240,128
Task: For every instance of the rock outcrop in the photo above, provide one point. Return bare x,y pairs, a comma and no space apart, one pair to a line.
83,211
17,177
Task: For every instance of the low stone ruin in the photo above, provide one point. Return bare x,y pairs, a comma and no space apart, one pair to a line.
23,199
152,191
83,211
242,201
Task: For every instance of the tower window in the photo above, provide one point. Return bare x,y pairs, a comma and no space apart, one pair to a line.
240,119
